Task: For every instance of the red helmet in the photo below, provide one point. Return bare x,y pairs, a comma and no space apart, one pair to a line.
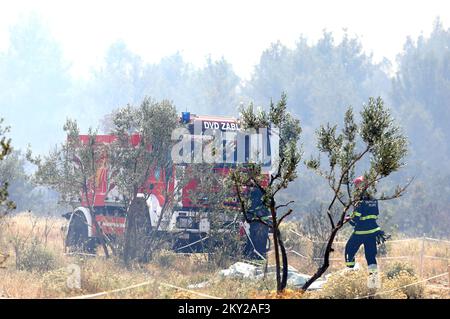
358,181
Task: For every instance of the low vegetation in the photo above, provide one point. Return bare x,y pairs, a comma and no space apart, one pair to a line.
42,271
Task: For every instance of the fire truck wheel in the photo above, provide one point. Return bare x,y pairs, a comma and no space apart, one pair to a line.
77,236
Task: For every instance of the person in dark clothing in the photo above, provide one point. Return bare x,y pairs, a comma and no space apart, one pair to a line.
366,230
256,245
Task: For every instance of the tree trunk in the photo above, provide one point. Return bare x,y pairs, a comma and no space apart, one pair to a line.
326,259
284,259
277,260
101,236
128,253
137,232
276,245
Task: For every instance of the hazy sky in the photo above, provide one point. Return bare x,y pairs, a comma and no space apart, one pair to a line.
236,29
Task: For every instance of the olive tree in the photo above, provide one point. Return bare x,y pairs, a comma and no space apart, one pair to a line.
250,176
375,147
71,169
141,150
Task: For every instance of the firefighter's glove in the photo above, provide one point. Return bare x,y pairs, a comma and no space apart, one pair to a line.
382,237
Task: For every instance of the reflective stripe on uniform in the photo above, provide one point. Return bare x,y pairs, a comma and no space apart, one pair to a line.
366,232
355,214
263,218
369,217
350,263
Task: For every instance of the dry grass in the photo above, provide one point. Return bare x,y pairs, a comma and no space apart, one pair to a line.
353,284
99,274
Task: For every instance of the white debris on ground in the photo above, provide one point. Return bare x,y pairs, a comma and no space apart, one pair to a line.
245,270
271,269
240,269
200,285
297,280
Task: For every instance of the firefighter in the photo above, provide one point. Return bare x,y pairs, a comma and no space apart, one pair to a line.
256,245
366,230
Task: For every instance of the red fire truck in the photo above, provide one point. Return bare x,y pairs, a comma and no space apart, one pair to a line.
109,208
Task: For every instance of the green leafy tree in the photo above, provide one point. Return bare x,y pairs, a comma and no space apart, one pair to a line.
285,171
321,78
375,146
71,169
153,122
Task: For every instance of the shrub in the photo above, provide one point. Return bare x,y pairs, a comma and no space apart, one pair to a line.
224,249
97,275
396,268
34,257
93,281
165,258
353,284
346,285
54,282
401,279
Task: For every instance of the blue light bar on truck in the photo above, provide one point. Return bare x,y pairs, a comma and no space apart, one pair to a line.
185,117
